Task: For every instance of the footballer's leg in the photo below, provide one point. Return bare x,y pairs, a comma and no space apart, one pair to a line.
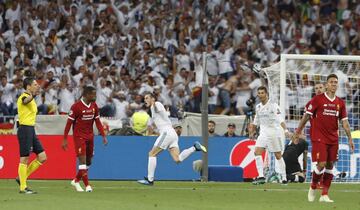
89,156
179,157
332,151
319,155
282,167
149,180
80,150
175,154
327,178
259,165
79,176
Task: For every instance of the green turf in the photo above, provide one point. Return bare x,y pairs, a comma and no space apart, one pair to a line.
167,195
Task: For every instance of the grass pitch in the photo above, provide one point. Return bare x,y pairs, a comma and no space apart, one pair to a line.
60,195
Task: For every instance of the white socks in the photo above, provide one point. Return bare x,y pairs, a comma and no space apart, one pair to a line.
186,153
259,165
316,170
282,168
151,168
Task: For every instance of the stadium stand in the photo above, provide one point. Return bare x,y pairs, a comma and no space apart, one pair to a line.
127,48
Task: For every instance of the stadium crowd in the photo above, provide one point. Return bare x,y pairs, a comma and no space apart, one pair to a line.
128,48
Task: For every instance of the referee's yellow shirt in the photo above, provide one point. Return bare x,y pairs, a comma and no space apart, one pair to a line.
27,112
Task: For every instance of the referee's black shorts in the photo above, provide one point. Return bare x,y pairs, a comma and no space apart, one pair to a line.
28,142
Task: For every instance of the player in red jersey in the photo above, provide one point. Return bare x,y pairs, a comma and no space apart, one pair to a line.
327,109
319,89
82,115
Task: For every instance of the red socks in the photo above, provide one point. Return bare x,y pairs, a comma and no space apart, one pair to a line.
327,182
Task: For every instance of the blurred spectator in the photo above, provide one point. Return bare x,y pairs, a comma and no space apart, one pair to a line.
231,130
104,99
211,129
178,129
213,95
6,95
121,105
66,95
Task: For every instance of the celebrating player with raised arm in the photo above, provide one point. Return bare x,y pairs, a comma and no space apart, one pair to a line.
82,116
168,139
268,118
326,110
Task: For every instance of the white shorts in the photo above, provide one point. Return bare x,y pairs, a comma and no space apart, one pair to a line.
167,139
273,141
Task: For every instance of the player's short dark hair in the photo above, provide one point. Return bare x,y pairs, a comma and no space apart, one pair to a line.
331,76
27,81
211,121
88,89
263,88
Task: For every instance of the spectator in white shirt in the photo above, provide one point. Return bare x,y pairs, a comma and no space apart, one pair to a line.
6,92
51,97
213,95
13,13
223,56
121,105
66,95
104,99
182,60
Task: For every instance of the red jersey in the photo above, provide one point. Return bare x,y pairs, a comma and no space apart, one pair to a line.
326,113
83,117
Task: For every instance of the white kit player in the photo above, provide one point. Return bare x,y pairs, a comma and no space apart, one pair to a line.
272,126
167,140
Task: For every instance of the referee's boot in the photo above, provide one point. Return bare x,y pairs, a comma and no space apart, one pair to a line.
27,191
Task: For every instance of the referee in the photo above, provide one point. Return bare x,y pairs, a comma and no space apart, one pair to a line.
28,142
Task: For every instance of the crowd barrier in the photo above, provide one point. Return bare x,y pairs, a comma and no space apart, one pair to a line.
125,158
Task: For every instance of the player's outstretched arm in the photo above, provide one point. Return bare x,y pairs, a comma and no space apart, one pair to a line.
346,126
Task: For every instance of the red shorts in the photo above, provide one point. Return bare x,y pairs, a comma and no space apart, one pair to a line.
324,152
84,147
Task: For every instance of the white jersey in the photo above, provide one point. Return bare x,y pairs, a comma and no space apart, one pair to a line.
268,116
160,117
